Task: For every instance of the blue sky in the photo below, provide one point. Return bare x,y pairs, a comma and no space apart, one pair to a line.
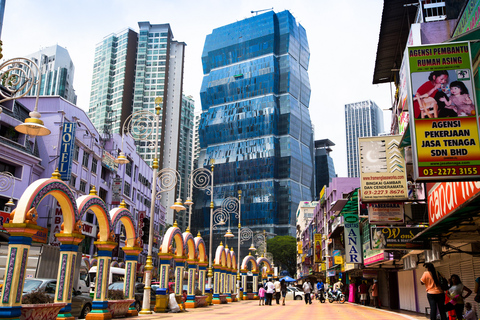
342,35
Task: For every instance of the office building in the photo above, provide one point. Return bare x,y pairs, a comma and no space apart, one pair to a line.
362,119
131,70
255,121
324,167
57,72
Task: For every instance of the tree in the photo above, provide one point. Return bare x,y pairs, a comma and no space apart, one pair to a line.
284,250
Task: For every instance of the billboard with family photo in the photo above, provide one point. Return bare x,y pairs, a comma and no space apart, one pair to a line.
443,119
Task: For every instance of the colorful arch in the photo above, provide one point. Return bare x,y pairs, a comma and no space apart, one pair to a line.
93,262
266,262
86,261
99,208
220,256
189,246
228,258
200,248
173,234
233,258
251,259
126,217
114,264
38,190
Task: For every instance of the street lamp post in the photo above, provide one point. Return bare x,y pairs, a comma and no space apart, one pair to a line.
144,125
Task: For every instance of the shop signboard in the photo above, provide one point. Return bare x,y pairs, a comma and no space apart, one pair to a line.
317,237
4,218
116,191
108,161
89,229
41,235
445,197
469,19
397,238
370,256
338,260
67,147
383,174
331,273
353,244
443,117
385,213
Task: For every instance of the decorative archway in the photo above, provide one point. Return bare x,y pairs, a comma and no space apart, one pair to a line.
99,208
132,249
23,226
227,270
167,251
234,274
219,264
191,254
267,263
249,259
202,262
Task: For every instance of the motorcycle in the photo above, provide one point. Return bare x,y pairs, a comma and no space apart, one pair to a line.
339,296
320,296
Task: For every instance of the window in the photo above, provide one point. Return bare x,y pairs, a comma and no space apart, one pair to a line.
83,186
7,167
128,169
73,180
94,165
86,156
126,189
76,151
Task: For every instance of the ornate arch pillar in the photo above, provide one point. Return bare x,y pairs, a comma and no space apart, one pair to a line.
228,283
66,271
243,273
216,283
100,303
131,261
202,275
192,268
161,297
255,285
18,248
179,269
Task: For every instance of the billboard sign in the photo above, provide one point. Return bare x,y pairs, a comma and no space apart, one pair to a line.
317,237
116,191
108,161
385,213
383,174
67,147
443,119
353,243
397,238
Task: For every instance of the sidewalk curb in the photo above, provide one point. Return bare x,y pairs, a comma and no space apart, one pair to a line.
399,314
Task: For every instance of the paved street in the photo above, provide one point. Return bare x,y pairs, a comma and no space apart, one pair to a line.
292,311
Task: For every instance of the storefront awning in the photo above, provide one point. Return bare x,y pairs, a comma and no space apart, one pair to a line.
463,224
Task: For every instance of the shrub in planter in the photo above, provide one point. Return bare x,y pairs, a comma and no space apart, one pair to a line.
37,297
117,305
198,292
39,305
115,295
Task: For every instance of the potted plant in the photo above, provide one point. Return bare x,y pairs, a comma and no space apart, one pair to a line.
200,300
39,305
117,305
234,296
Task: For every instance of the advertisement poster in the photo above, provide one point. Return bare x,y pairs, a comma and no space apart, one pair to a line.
397,238
444,123
116,191
385,213
317,238
382,169
370,256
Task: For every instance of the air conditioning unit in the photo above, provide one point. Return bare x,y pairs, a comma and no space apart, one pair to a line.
435,254
410,262
7,209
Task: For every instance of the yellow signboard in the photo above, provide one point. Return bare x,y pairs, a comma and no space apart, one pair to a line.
299,247
338,259
317,237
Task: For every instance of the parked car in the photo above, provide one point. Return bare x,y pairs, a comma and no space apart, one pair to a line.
293,293
81,303
138,294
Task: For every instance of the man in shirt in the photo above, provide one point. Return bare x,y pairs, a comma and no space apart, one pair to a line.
278,289
337,288
307,289
270,292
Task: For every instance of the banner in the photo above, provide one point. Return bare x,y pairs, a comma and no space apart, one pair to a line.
385,213
116,191
397,238
353,244
370,256
443,119
108,161
67,147
317,238
383,174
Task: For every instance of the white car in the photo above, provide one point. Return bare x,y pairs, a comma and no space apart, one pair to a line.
293,293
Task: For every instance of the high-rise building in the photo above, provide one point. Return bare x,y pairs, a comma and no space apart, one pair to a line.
186,154
130,71
112,81
255,121
57,72
324,168
362,119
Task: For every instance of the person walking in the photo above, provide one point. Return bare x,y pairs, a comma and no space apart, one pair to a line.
270,292
277,290
307,289
261,296
320,289
362,289
283,289
435,294
375,294
455,293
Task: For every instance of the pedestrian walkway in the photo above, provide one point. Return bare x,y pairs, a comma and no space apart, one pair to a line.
294,310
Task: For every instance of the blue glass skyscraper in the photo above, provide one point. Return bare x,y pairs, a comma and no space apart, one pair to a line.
255,121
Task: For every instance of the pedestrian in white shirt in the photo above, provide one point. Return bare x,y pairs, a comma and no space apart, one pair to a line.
270,292
307,289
